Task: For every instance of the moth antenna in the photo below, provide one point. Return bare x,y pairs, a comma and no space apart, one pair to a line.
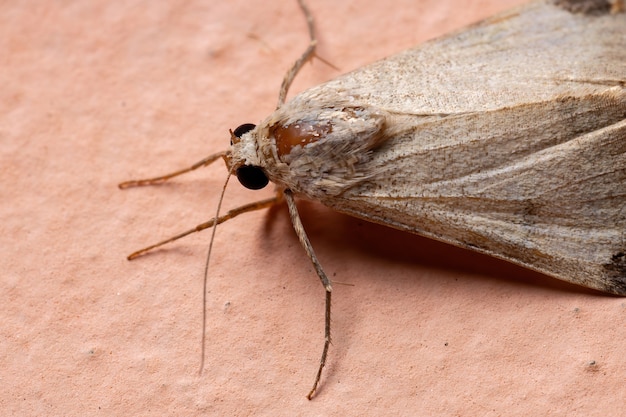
157,180
304,58
213,223
206,270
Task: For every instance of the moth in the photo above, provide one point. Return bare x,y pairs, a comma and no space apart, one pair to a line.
507,138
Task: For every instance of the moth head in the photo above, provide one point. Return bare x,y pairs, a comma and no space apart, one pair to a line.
249,174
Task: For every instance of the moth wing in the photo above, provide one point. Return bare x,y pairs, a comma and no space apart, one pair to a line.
508,138
535,53
560,210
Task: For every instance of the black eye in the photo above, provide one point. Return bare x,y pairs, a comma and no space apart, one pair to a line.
244,128
252,177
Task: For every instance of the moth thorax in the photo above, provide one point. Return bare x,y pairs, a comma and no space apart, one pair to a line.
298,133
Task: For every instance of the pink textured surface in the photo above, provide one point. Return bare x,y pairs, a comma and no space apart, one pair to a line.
98,92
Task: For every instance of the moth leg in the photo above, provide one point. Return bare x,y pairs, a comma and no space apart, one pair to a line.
306,244
304,58
258,205
157,180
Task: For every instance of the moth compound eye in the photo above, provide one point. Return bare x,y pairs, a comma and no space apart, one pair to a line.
252,177
244,128
239,132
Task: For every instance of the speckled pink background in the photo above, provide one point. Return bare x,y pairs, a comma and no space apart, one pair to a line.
97,92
